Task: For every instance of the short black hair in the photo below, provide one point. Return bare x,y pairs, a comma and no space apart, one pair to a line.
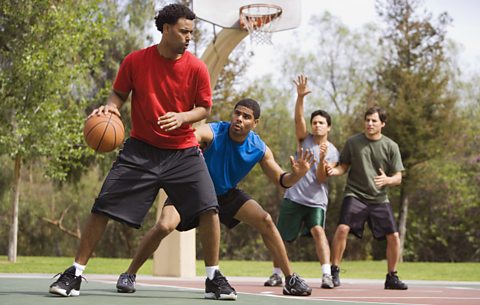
251,104
382,113
322,113
171,13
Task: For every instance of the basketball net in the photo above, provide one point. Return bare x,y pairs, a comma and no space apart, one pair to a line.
260,20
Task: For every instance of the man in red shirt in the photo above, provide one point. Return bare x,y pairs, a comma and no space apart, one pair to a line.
170,90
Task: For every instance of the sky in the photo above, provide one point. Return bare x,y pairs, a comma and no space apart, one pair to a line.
464,29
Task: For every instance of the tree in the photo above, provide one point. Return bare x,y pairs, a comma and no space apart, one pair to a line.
47,49
412,85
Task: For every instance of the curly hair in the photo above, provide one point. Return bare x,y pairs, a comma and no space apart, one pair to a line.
171,13
251,104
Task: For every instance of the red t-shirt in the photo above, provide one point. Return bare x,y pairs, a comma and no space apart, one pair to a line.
158,86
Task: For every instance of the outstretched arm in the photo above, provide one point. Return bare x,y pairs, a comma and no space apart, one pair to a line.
302,91
299,167
204,135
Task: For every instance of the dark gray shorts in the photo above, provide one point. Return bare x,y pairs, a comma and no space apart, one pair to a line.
379,217
229,204
141,170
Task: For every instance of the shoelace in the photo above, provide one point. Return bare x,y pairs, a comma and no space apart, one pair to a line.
296,279
130,278
66,276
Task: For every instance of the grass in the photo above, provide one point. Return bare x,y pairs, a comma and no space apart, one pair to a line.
350,269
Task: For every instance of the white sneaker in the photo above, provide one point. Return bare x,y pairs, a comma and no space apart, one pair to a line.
327,281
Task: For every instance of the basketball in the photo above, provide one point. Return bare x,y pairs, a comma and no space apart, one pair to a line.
103,133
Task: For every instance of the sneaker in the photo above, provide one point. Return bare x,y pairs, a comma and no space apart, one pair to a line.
218,288
393,282
126,283
335,275
294,285
274,280
68,284
327,281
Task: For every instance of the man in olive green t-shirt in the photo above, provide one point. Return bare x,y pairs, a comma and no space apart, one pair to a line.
373,162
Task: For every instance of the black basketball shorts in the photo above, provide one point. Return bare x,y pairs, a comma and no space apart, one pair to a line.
142,169
379,217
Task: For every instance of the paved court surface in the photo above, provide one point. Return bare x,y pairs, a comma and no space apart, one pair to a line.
100,289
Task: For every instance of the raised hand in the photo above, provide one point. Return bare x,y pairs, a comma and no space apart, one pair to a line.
303,163
302,85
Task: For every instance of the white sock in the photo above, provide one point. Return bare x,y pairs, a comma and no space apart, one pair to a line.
326,269
277,270
79,268
210,270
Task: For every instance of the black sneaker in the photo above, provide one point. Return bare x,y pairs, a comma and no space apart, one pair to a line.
67,284
335,270
274,280
294,285
126,283
393,282
218,288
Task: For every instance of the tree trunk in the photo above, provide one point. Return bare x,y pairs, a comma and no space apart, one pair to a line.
402,220
12,241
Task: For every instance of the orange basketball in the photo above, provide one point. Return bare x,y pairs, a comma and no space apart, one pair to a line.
104,133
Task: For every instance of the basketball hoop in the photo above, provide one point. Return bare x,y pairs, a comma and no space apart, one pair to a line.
259,20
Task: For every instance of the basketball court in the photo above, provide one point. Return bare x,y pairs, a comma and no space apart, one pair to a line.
237,20
18,289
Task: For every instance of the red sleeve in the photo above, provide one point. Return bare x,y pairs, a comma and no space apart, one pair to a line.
123,83
204,92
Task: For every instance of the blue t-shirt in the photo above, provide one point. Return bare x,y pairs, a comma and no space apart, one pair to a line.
229,162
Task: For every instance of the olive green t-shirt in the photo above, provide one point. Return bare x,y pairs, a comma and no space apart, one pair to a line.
365,157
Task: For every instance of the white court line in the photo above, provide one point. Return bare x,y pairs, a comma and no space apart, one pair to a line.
405,298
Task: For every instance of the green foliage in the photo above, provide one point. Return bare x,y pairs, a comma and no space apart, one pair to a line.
46,52
447,212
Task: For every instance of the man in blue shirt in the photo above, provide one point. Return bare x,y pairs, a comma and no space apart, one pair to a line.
231,150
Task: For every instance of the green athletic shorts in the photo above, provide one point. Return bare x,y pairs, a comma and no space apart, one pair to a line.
296,219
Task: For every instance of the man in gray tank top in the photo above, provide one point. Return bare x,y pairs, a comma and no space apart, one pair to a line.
304,206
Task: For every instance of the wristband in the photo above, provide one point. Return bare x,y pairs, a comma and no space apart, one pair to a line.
281,180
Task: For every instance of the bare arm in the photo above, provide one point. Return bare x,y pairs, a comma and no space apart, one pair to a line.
114,102
384,180
302,91
299,168
204,135
321,171
173,120
338,170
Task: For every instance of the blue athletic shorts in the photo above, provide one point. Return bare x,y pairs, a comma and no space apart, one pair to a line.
141,170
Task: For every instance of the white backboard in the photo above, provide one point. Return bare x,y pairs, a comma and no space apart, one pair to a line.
226,13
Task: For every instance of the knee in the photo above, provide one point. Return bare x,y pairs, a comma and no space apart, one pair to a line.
163,229
317,232
393,239
342,231
267,222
